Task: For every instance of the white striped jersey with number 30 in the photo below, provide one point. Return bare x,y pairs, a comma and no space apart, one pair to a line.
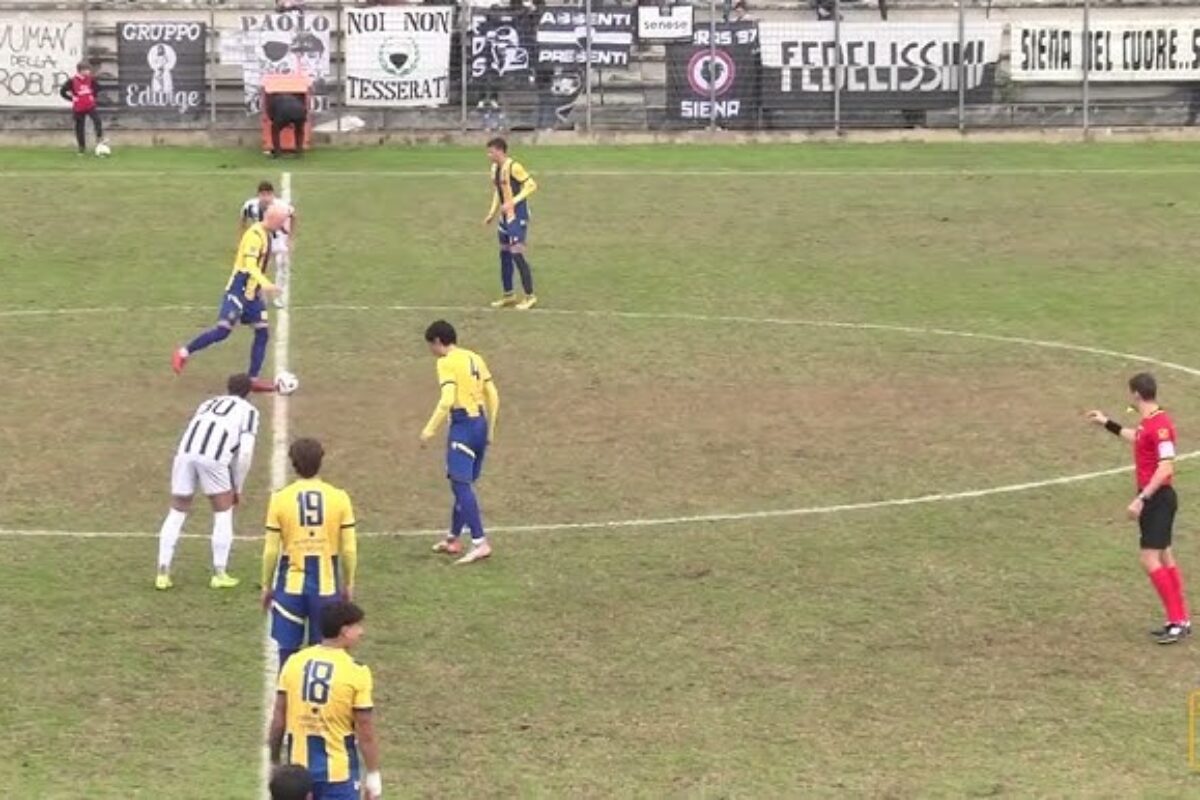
216,428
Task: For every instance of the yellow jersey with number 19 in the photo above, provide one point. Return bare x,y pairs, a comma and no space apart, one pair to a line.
324,686
311,546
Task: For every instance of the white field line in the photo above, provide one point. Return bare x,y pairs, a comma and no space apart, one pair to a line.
616,525
279,448
653,522
865,172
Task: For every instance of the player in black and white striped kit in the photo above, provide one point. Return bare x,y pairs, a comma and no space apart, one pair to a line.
282,240
214,454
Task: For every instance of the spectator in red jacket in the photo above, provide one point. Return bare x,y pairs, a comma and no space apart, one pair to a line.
80,90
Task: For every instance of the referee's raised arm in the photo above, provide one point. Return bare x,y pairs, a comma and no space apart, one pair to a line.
1110,425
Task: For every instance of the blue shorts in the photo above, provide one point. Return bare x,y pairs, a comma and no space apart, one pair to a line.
236,309
342,790
293,614
515,232
466,447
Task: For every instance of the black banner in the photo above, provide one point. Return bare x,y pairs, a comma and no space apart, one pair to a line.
727,68
161,65
503,51
562,34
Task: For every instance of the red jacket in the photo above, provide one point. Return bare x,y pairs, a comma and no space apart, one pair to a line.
81,91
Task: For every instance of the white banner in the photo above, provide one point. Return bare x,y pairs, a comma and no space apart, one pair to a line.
655,26
879,56
398,56
288,43
36,58
1142,50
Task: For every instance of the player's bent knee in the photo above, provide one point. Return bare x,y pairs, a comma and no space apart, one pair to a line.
181,503
221,502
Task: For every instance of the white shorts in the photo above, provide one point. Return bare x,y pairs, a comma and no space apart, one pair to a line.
187,471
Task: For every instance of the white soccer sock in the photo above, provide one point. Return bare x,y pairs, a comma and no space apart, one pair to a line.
282,268
222,539
168,537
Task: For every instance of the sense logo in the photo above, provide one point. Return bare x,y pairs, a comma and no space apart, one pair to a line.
399,57
711,71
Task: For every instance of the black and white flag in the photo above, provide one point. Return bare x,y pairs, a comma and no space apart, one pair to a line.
562,35
161,65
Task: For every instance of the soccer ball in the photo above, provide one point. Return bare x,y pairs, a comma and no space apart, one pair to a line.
103,150
286,383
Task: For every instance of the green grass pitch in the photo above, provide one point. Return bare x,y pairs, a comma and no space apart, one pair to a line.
989,646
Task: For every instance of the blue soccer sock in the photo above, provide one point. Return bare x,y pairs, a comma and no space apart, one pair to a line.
284,655
258,351
506,271
526,272
456,521
216,333
468,508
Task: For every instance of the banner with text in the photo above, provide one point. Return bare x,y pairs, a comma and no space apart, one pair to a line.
502,49
562,34
36,58
656,24
1113,50
398,56
718,79
904,66
161,65
286,43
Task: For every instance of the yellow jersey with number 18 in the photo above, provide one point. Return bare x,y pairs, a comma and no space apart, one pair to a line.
324,687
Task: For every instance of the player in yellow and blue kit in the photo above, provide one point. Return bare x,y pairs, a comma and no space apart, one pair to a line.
511,187
324,712
310,555
468,398
244,301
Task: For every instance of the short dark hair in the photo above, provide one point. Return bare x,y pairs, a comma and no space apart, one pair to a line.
338,615
239,384
498,143
306,455
1144,386
441,331
266,186
82,65
291,782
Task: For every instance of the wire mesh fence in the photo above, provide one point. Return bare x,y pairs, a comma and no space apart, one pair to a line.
598,65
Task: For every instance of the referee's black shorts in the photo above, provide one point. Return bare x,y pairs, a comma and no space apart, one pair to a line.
1158,519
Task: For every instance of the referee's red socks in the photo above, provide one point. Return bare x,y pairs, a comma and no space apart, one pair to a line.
1177,585
1172,599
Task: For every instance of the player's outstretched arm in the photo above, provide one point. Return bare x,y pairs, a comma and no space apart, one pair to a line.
528,186
275,733
491,402
349,561
441,412
1112,426
368,744
241,464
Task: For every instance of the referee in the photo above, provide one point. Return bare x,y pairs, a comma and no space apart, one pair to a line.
1156,503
